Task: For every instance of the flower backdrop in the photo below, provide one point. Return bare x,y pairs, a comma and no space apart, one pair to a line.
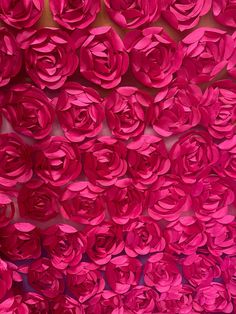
118,156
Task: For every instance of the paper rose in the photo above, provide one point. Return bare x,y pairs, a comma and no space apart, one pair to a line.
224,12
44,278
176,109
186,15
126,109
66,304
103,58
207,51
64,245
104,160
20,241
154,56
85,281
50,56
147,158
29,111
232,62
227,162
7,206
103,242
36,303
74,14
122,273
83,203
6,279
143,236
57,162
133,14
168,199
10,56
107,301
79,111
228,267
13,304
193,155
21,14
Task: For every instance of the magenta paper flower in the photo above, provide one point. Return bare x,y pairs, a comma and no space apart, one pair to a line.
186,15
175,109
50,56
14,303
80,112
207,51
103,58
135,13
107,301
10,56
229,272
57,161
29,111
64,303
36,303
227,162
126,109
72,14
224,12
21,13
232,62
6,280
154,56
7,206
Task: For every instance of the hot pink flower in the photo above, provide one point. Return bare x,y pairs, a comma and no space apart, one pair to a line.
36,303
143,236
46,279
176,109
105,302
232,63
224,12
193,155
64,244
7,207
103,58
104,241
57,161
147,159
80,112
85,281
66,304
72,14
50,56
14,304
228,267
104,160
10,56
186,15
154,56
29,111
21,13
20,241
126,111
213,298
227,163
6,279
122,273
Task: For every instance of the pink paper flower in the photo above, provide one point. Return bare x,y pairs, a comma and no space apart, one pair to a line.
22,13
154,56
122,273
79,111
105,302
143,236
64,245
168,199
207,51
133,14
200,269
161,272
7,206
176,109
124,201
50,56
66,304
38,201
104,241
36,303
232,62
10,56
14,304
193,155
85,281
227,162
72,14
104,160
126,109
185,235
83,203
147,159
29,111
6,279
186,15
57,161
218,109
228,267
103,58
213,298
20,241
44,278
224,12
